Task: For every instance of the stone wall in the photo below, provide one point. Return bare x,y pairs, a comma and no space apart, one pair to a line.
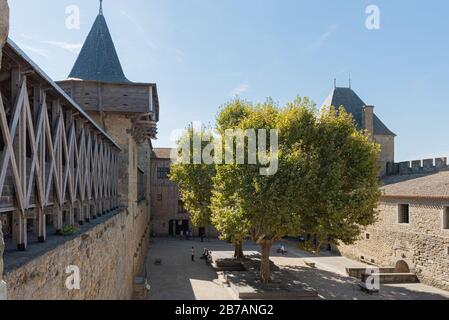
4,29
422,244
387,152
109,255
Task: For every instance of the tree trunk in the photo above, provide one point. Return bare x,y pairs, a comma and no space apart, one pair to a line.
238,251
265,272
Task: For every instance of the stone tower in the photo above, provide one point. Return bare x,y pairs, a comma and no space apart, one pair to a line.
366,119
128,111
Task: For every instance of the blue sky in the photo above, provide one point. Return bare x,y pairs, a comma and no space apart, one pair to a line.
202,52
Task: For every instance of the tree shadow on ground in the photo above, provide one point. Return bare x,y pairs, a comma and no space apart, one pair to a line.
178,278
332,286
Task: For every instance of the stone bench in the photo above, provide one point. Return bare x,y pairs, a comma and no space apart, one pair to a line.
310,264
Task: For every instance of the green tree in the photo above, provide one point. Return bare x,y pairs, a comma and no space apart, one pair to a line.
229,219
344,189
194,179
326,181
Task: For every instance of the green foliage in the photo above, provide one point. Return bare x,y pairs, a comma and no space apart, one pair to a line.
344,189
327,182
231,114
194,182
69,230
326,185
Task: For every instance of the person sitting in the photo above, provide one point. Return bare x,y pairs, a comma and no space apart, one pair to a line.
205,254
283,251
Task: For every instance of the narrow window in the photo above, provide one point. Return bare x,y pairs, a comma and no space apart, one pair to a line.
368,236
404,214
181,208
446,218
163,173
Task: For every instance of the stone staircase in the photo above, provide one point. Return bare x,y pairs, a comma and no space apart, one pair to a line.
386,275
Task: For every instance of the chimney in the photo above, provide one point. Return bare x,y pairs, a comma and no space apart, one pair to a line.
368,119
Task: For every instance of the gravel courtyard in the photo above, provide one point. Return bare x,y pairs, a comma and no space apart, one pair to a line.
178,278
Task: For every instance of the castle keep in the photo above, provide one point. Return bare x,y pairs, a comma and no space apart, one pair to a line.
366,119
411,235
75,161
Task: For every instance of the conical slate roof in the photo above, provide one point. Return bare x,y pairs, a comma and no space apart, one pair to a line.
347,98
98,59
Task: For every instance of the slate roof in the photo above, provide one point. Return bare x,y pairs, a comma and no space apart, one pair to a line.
161,153
347,98
420,186
98,59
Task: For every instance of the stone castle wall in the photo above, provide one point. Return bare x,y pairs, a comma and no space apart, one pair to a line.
422,244
108,256
387,151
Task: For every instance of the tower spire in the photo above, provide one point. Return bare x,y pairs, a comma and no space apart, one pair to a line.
350,81
335,83
101,7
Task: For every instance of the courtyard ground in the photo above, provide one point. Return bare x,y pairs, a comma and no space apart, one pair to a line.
178,278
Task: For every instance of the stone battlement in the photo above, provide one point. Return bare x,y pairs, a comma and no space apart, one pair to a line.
418,166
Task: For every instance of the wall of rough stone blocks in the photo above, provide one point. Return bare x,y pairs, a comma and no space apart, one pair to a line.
109,256
387,151
422,244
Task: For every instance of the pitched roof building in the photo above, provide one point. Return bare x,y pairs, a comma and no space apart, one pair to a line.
97,82
98,59
127,110
355,105
366,119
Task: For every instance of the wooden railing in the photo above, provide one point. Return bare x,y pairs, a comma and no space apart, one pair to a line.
58,168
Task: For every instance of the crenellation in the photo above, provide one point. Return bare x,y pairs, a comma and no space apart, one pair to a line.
404,167
441,164
419,166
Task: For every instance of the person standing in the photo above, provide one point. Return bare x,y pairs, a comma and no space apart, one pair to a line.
193,254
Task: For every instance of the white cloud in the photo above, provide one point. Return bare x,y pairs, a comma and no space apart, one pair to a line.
140,30
74,48
36,50
319,42
239,90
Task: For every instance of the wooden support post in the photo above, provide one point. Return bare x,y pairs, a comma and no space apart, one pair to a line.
19,230
93,211
42,225
57,210
87,213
